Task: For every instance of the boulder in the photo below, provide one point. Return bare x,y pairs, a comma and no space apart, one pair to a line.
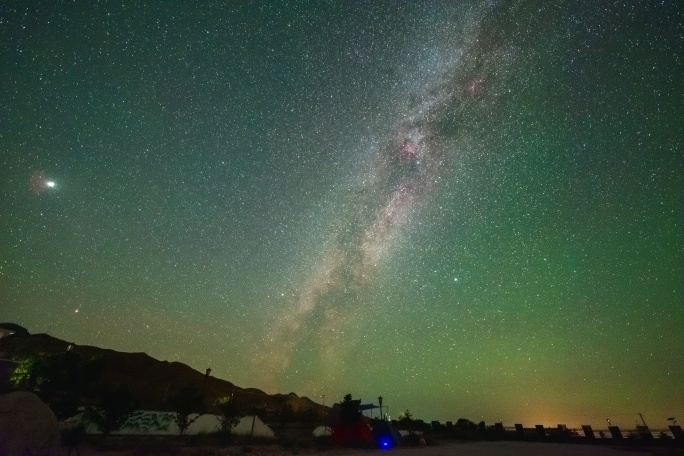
27,426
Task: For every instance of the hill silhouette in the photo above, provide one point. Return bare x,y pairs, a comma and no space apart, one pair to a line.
153,382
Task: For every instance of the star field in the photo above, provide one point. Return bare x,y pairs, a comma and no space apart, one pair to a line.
473,209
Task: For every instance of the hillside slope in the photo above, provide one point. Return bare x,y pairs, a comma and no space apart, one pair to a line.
153,382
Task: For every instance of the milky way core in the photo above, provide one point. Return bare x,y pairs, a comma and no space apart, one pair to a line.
402,173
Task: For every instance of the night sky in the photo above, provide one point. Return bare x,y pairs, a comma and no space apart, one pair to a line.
473,209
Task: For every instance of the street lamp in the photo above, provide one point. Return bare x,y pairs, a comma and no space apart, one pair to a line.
206,377
325,425
380,402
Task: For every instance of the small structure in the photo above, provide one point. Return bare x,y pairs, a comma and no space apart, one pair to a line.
349,427
322,431
253,426
357,434
146,422
644,432
615,432
563,431
519,430
677,432
588,432
386,435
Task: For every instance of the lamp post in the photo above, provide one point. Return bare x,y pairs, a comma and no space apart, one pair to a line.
325,424
380,402
206,377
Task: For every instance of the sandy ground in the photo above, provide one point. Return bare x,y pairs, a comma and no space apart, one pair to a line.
451,449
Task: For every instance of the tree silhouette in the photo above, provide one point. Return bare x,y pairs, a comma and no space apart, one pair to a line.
406,420
406,416
46,373
349,409
187,401
230,413
113,410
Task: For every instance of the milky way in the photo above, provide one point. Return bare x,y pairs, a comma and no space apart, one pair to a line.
472,208
406,168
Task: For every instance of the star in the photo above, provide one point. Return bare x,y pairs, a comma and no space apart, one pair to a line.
346,194
39,182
